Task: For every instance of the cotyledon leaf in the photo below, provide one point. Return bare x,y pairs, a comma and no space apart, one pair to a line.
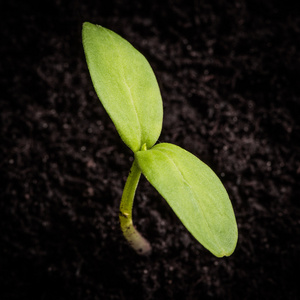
194,192
125,84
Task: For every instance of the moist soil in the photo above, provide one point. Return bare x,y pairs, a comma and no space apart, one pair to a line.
229,77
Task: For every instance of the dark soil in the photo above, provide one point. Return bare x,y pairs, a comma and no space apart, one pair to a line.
229,76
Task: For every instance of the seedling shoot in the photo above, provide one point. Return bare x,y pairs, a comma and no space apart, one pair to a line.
127,88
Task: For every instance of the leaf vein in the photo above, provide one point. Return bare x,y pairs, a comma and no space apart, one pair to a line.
194,201
128,88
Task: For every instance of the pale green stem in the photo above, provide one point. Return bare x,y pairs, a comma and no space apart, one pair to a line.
134,238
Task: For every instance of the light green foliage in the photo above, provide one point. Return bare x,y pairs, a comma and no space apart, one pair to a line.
125,84
194,192
128,90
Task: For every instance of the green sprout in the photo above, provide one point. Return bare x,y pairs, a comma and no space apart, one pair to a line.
127,88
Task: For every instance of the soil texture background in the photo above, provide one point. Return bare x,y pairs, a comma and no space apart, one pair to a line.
229,77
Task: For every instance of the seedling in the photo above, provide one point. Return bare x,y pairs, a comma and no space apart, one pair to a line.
128,90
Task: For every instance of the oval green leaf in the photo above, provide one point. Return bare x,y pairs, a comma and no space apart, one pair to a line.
195,193
125,84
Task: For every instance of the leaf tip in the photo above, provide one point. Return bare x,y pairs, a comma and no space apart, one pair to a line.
86,25
228,249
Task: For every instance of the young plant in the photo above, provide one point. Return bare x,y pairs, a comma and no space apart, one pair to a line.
128,90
